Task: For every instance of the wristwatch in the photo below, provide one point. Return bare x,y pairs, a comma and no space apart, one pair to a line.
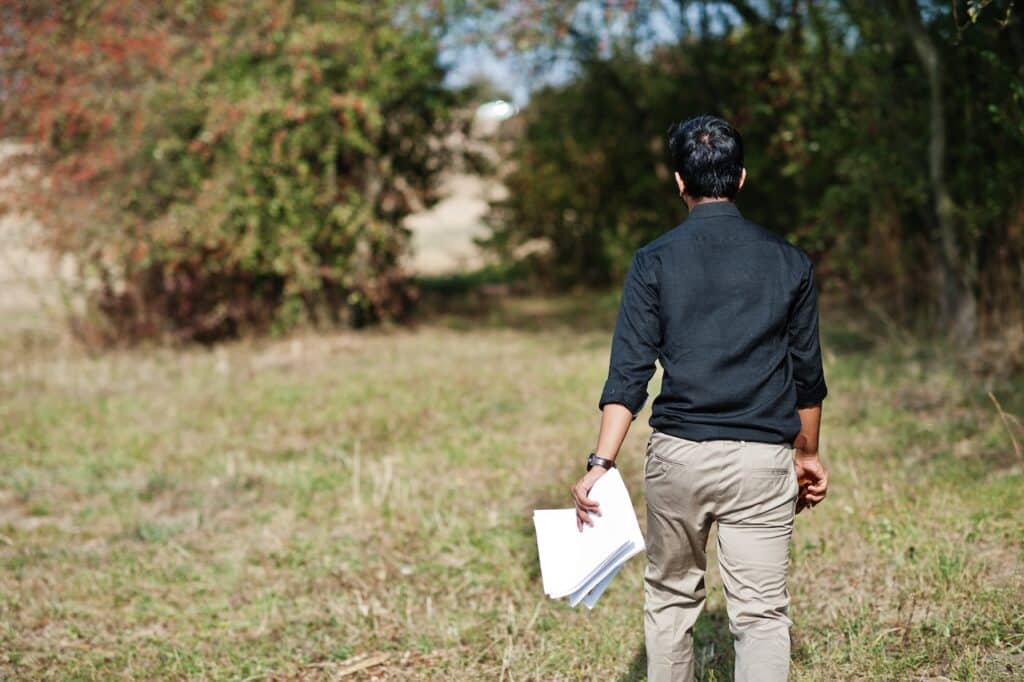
594,461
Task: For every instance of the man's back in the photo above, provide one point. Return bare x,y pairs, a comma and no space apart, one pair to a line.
730,311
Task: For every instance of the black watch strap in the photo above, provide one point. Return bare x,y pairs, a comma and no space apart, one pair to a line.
594,461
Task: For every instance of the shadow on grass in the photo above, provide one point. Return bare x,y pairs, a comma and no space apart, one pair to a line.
712,650
847,341
504,298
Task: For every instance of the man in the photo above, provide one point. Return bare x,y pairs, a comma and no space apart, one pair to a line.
730,311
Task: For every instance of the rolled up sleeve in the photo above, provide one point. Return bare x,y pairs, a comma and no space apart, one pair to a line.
635,341
804,344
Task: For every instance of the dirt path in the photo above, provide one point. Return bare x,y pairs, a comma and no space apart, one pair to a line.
26,282
442,237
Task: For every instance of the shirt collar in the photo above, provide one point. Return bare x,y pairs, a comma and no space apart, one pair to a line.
715,209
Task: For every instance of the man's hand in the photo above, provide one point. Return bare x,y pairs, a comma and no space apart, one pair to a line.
584,504
812,477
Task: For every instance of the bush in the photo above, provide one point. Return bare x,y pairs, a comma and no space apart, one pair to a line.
838,120
214,168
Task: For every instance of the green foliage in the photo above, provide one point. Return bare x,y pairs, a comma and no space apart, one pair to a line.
833,104
261,167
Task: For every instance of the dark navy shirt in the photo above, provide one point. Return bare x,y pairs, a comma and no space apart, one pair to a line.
730,311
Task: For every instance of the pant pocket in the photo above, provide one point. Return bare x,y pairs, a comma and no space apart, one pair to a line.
771,472
771,475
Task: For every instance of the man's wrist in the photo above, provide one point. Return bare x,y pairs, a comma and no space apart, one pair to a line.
596,460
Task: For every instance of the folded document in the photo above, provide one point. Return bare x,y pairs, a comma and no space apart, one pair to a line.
579,565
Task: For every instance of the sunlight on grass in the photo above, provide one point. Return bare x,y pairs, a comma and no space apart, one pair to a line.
352,503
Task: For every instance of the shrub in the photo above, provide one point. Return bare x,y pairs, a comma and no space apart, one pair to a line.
212,168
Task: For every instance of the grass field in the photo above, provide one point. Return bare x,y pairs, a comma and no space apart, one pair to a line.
349,504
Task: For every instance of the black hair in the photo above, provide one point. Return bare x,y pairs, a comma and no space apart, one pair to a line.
708,153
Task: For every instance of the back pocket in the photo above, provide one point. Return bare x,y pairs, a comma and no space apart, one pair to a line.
770,472
672,450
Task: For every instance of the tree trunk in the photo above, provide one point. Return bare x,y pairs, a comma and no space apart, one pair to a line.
957,301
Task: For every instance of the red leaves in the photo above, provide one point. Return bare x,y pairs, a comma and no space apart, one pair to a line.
295,112
216,12
129,103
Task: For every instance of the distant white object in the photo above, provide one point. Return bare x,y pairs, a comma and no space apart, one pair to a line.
496,110
580,565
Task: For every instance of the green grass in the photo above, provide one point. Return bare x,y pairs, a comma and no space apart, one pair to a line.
297,508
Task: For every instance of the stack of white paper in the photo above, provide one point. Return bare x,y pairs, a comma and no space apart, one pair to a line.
580,565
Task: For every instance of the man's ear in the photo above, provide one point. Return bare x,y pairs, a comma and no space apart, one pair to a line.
679,181
743,178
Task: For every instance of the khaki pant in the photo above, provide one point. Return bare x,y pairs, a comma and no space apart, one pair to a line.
750,490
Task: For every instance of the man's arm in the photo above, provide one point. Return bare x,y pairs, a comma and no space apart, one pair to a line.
810,472
615,421
809,377
631,365
806,442
635,341
804,344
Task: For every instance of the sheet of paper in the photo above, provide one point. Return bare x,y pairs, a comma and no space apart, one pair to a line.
567,556
591,597
601,580
610,565
580,565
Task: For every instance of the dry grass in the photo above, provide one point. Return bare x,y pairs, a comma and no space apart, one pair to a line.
347,505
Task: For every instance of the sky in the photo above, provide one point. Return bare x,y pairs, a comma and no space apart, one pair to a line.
467,61
471,62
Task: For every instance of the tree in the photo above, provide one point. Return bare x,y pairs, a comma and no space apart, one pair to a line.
217,166
884,138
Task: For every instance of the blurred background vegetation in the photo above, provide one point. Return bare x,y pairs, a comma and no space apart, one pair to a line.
211,169
305,305
216,167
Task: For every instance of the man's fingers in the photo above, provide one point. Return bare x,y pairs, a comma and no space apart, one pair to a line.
584,506
585,502
819,487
